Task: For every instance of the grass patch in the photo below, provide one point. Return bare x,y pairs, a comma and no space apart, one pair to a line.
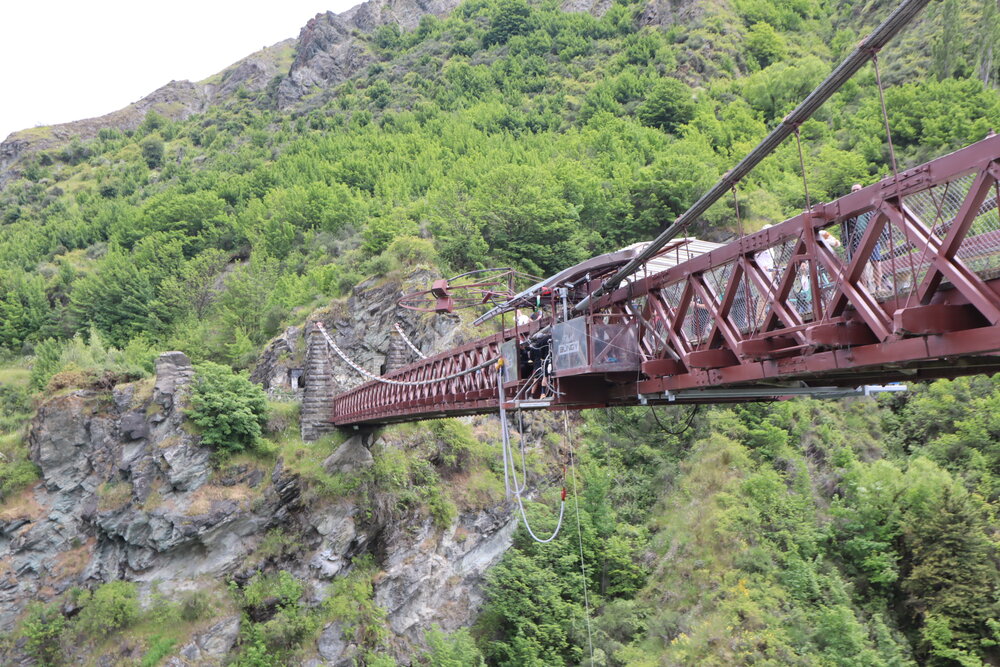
208,495
143,392
16,409
306,460
21,505
112,496
14,376
282,419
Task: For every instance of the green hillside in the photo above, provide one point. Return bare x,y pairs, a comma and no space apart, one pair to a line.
516,134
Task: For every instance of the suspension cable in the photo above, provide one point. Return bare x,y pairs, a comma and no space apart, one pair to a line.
400,383
406,340
895,182
802,166
895,177
885,117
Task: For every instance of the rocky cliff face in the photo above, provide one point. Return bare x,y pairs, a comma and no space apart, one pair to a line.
328,51
128,492
176,100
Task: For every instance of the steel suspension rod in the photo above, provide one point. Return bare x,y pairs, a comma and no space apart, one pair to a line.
857,59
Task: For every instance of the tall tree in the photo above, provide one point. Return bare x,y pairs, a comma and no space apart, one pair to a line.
947,48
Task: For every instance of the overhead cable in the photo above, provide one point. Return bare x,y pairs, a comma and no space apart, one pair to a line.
406,340
401,383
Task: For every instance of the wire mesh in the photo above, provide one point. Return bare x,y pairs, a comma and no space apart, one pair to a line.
980,249
672,293
718,278
749,307
697,322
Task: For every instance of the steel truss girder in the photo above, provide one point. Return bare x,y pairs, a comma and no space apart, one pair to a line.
808,330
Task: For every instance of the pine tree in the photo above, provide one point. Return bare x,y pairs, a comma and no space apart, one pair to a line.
953,580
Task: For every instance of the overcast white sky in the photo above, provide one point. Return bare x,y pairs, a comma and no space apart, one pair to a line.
63,60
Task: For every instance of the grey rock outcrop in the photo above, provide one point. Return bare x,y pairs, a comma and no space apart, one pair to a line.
351,457
595,7
126,492
329,51
209,648
434,577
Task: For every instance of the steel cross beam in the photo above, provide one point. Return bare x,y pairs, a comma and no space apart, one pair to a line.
915,294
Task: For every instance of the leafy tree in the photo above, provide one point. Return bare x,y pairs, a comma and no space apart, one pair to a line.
952,583
455,650
765,45
115,298
507,19
388,37
947,44
669,105
111,607
775,90
668,186
24,309
152,151
42,629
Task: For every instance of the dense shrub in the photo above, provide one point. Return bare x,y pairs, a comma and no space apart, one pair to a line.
90,362
42,628
276,620
230,410
111,607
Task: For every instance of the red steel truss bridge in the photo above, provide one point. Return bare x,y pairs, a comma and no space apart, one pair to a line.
897,281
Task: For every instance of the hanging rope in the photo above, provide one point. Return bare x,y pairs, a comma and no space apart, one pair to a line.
802,165
406,340
885,117
510,468
687,423
579,533
415,383
895,181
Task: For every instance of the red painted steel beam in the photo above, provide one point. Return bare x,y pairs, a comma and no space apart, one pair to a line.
802,339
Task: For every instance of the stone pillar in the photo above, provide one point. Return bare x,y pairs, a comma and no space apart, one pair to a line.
317,400
399,353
